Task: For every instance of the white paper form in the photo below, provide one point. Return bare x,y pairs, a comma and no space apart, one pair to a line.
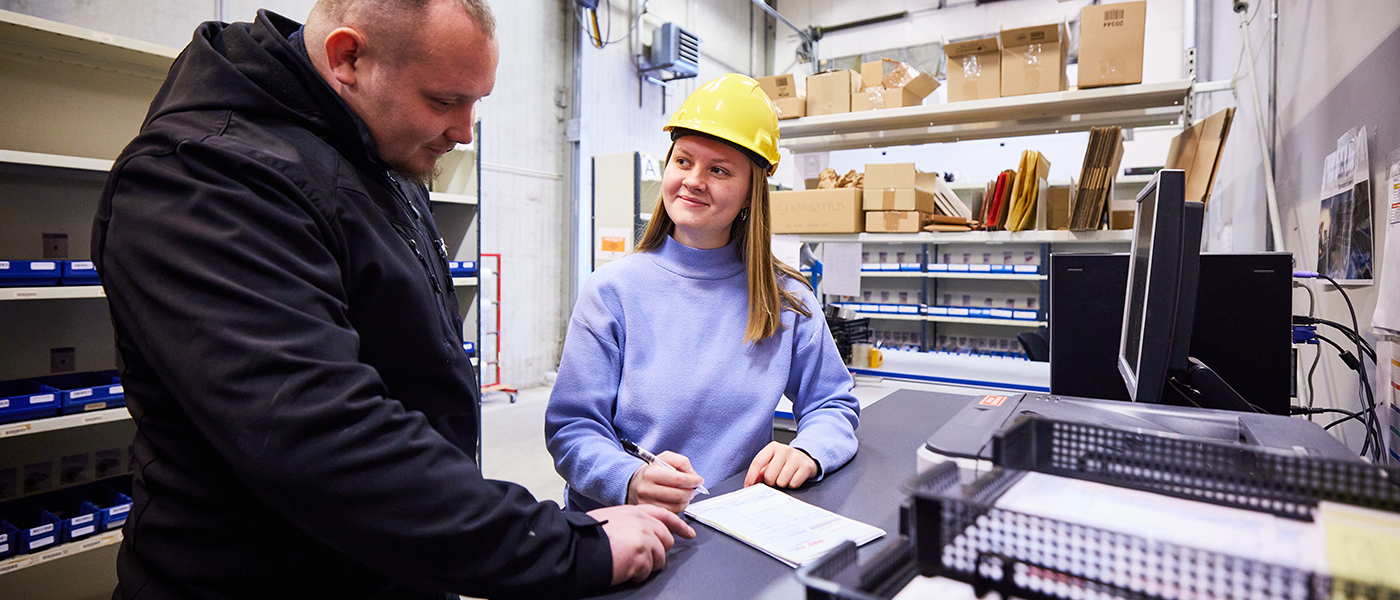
1233,531
1387,315
841,269
779,525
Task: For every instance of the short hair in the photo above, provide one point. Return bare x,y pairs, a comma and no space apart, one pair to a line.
337,11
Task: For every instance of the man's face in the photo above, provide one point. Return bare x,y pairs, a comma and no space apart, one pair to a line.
421,103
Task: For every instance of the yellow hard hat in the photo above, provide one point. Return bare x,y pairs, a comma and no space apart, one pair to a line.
734,109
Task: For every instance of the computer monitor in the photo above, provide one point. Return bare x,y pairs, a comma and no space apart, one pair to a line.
1161,297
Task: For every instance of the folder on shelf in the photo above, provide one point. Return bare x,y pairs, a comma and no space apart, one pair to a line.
1197,150
1031,179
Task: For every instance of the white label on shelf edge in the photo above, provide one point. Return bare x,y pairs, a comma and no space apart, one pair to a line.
84,530
80,393
958,312
1022,314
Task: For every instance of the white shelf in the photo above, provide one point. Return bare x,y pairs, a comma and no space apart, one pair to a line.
39,159
16,563
975,237
464,281
446,198
33,36
892,274
975,321
1126,180
951,275
475,361
1141,105
889,316
52,292
9,430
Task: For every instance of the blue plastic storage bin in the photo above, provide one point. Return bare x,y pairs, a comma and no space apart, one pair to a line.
79,272
77,518
470,347
21,400
462,268
9,541
35,527
112,504
83,392
29,273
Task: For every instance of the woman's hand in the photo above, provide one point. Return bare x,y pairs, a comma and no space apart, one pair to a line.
781,465
671,490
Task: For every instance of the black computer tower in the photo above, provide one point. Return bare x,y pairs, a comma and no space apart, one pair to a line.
1242,327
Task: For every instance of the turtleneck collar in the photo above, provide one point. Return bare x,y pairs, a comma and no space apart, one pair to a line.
693,263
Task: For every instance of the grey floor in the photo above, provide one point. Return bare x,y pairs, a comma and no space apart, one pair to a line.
512,443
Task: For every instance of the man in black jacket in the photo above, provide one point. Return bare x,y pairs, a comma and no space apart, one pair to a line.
289,338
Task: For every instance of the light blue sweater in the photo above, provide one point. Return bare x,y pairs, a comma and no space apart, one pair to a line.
655,353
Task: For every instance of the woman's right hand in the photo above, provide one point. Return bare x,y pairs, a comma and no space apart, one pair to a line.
671,490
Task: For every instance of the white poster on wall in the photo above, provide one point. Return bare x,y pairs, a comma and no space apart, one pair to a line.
1345,244
1387,315
841,269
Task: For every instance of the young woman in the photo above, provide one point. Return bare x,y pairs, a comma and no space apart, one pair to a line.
685,346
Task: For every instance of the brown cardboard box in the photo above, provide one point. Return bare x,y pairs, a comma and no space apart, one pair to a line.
872,74
1198,150
779,86
1121,219
791,108
974,69
895,221
899,199
1110,44
871,99
1033,60
905,76
830,93
817,211
1057,205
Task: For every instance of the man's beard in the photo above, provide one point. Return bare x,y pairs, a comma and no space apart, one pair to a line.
423,177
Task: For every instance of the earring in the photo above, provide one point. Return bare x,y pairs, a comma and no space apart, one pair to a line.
743,214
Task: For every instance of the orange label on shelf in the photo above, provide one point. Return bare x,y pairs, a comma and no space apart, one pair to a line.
992,400
614,244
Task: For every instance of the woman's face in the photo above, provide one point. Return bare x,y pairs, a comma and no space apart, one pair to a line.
704,187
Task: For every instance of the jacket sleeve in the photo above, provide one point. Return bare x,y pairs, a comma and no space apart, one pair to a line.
578,422
222,271
820,388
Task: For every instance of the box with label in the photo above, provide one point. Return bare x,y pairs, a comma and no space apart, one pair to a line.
1110,44
84,392
79,272
791,108
817,211
829,93
7,539
974,69
1033,60
36,528
77,518
112,505
779,86
25,273
22,400
462,268
895,221
898,199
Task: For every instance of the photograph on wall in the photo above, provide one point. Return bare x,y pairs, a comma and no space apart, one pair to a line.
1345,245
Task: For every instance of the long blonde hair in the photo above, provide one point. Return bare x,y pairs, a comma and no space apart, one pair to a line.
755,239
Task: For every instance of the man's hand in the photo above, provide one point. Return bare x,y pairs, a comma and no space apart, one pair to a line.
655,484
639,537
780,465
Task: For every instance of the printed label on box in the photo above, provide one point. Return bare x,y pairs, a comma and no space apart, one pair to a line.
1023,314
41,530
83,530
75,394
992,400
43,266
83,265
980,268
116,389
79,520
958,312
4,264
41,399
121,509
36,543
1001,313
5,403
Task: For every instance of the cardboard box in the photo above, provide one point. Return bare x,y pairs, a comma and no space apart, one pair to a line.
895,221
1110,44
872,99
817,211
830,93
872,74
899,199
1121,219
1033,60
898,175
779,86
905,76
1057,207
791,108
974,69
1198,150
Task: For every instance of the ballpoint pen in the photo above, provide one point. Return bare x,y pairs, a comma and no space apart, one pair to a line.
642,453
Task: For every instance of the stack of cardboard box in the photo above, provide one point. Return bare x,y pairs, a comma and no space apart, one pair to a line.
901,199
888,83
829,93
790,100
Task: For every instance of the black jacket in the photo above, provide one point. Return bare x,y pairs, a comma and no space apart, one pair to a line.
291,352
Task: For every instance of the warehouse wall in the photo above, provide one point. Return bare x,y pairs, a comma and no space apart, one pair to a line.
1336,66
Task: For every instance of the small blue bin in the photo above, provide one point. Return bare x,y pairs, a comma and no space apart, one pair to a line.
79,272
35,527
462,268
77,518
84,392
470,347
29,273
9,540
21,400
112,505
